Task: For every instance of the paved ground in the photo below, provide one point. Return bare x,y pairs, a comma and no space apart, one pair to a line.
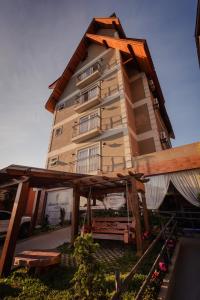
49,240
186,278
108,256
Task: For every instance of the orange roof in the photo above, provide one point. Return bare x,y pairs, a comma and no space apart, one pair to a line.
60,84
138,47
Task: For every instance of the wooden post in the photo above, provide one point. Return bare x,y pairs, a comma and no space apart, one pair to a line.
145,213
89,218
138,228
13,228
75,212
35,210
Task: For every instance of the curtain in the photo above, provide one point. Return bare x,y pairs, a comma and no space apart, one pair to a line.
155,190
186,182
188,185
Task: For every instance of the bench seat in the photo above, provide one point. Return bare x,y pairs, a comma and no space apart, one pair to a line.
114,226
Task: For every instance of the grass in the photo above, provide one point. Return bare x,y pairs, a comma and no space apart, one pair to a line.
55,283
49,285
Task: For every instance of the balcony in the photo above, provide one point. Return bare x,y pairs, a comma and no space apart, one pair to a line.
88,128
88,76
88,100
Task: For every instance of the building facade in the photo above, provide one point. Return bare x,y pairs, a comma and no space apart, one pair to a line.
108,106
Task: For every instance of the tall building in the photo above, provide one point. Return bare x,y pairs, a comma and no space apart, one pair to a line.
108,105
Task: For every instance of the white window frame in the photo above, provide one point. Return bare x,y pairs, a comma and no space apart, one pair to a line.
90,122
87,167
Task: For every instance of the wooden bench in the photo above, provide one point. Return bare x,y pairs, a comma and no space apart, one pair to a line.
114,228
37,259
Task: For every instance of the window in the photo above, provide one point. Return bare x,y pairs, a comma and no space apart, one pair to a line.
88,71
88,159
88,122
61,106
53,161
58,131
89,94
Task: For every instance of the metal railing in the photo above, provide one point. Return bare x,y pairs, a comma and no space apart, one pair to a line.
88,95
124,284
86,125
188,222
89,71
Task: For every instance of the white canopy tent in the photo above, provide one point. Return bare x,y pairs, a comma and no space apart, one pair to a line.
186,182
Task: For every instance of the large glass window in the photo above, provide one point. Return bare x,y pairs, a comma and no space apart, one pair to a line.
88,160
88,122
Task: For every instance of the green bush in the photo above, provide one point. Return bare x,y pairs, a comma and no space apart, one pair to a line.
89,280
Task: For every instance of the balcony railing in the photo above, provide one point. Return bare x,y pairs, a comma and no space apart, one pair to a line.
88,127
88,99
89,75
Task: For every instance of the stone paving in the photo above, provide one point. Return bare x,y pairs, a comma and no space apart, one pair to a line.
105,255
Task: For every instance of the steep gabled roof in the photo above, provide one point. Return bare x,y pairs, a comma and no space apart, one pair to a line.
137,48
141,53
59,85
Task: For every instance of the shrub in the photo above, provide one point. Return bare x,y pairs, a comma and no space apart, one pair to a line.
89,280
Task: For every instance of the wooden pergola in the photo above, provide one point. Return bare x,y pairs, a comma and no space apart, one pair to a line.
83,184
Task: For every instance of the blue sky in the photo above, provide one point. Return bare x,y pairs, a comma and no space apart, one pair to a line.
38,38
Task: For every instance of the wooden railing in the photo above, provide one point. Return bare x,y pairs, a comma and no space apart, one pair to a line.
124,284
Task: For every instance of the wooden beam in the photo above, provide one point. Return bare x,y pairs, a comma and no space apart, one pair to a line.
145,213
128,60
138,175
131,173
13,228
138,228
75,212
105,44
106,178
114,25
36,208
89,217
99,192
120,175
144,180
130,48
93,180
11,182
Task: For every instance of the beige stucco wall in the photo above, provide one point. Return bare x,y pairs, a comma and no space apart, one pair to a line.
142,119
111,115
113,153
146,146
66,112
137,90
64,138
131,111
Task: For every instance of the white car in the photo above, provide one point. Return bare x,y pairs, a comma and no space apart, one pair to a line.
4,221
